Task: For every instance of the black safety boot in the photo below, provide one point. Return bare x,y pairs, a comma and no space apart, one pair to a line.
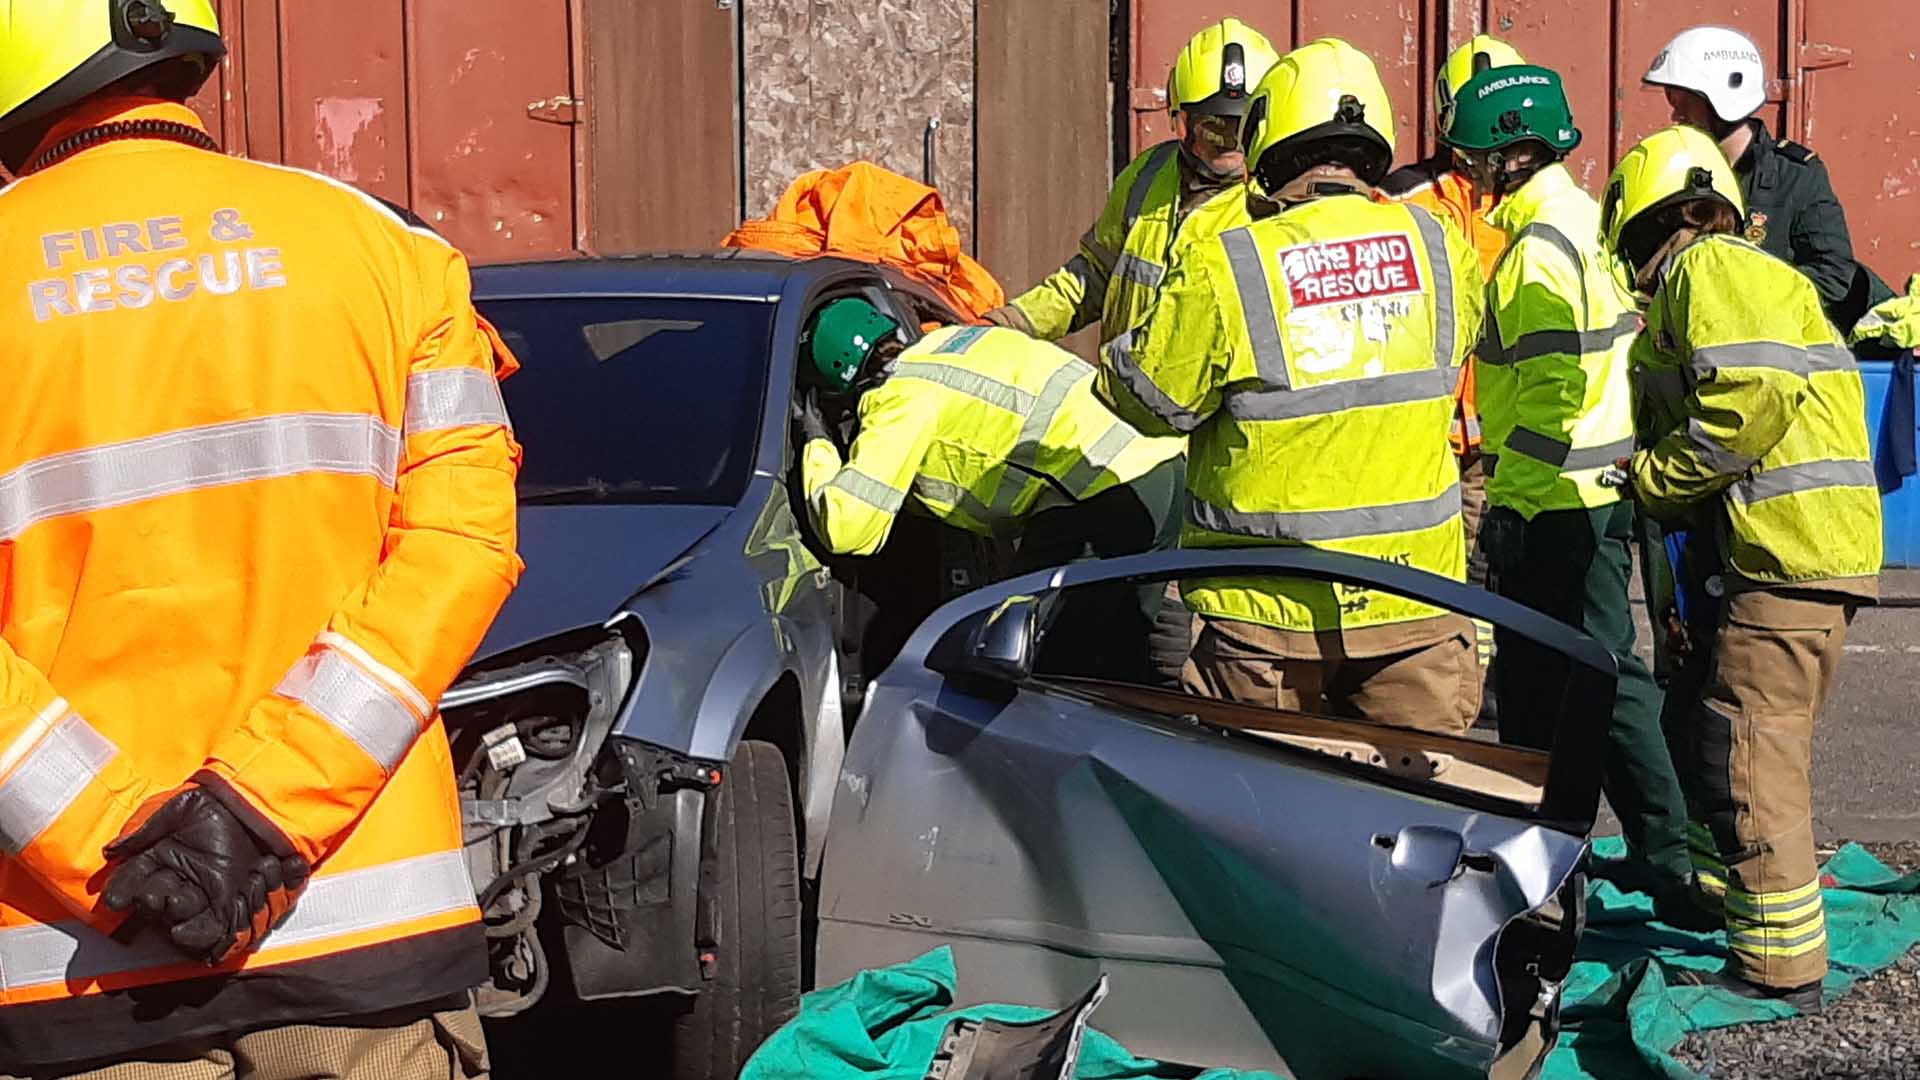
1804,998
1686,907
1677,901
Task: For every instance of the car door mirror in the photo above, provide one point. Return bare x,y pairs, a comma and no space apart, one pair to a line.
998,644
1003,645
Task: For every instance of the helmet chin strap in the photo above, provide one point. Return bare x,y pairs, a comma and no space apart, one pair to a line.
1201,169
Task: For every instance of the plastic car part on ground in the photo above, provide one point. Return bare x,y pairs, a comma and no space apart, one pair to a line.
1622,1020
898,1023
862,211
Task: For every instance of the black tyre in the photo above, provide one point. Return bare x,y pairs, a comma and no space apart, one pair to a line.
756,983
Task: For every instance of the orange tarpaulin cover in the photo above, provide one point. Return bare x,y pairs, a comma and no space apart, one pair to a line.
862,211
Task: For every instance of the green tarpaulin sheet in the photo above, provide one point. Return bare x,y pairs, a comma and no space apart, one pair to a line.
887,1023
1621,1020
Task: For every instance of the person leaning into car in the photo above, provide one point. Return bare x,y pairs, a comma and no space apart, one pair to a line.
998,433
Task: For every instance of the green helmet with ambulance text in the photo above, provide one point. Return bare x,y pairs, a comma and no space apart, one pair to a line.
842,338
1506,105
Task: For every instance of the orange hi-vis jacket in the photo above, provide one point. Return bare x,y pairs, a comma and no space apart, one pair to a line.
1437,187
256,512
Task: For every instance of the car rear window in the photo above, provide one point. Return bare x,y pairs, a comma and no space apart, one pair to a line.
623,399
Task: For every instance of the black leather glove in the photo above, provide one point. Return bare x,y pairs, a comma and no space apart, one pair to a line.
808,418
1503,539
189,862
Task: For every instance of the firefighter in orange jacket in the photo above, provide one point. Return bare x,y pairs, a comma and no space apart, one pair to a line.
256,512
1442,187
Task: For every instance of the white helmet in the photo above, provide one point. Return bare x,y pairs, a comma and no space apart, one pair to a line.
1720,64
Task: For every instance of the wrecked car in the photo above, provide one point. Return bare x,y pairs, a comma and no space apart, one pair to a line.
705,767
650,733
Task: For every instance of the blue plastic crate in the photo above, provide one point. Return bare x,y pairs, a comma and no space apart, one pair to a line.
1900,508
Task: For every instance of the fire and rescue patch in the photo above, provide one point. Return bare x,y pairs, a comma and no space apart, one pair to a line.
1340,271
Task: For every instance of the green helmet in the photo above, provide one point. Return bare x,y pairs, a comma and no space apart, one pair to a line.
1505,105
843,335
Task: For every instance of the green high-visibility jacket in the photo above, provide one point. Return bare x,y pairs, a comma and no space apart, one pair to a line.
1123,259
1555,397
1310,357
1752,409
979,426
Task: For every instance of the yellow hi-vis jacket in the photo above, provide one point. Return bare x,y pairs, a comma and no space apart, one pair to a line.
1310,357
1752,408
1556,402
1123,259
980,426
256,512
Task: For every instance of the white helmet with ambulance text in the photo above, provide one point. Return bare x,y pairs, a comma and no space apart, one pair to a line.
1720,64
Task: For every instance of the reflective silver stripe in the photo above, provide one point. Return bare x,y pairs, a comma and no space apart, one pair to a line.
1558,239
1143,183
454,397
1750,354
961,340
1025,455
1398,388
1766,939
1139,271
1807,476
1561,342
874,493
355,702
1830,358
1309,526
119,474
970,383
1103,257
1099,457
1256,306
1434,239
1717,457
932,489
1155,400
333,906
1472,426
50,776
1598,457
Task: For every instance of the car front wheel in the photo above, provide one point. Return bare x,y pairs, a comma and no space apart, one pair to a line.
755,889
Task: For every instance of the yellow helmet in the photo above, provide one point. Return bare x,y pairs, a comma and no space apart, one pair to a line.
1216,72
55,52
1325,89
1482,51
1672,164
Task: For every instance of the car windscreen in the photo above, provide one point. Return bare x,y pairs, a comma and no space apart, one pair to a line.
634,399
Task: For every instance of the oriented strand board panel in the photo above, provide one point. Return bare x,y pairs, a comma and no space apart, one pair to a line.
1046,148
829,82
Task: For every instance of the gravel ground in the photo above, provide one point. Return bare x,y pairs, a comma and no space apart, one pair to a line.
1873,1033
